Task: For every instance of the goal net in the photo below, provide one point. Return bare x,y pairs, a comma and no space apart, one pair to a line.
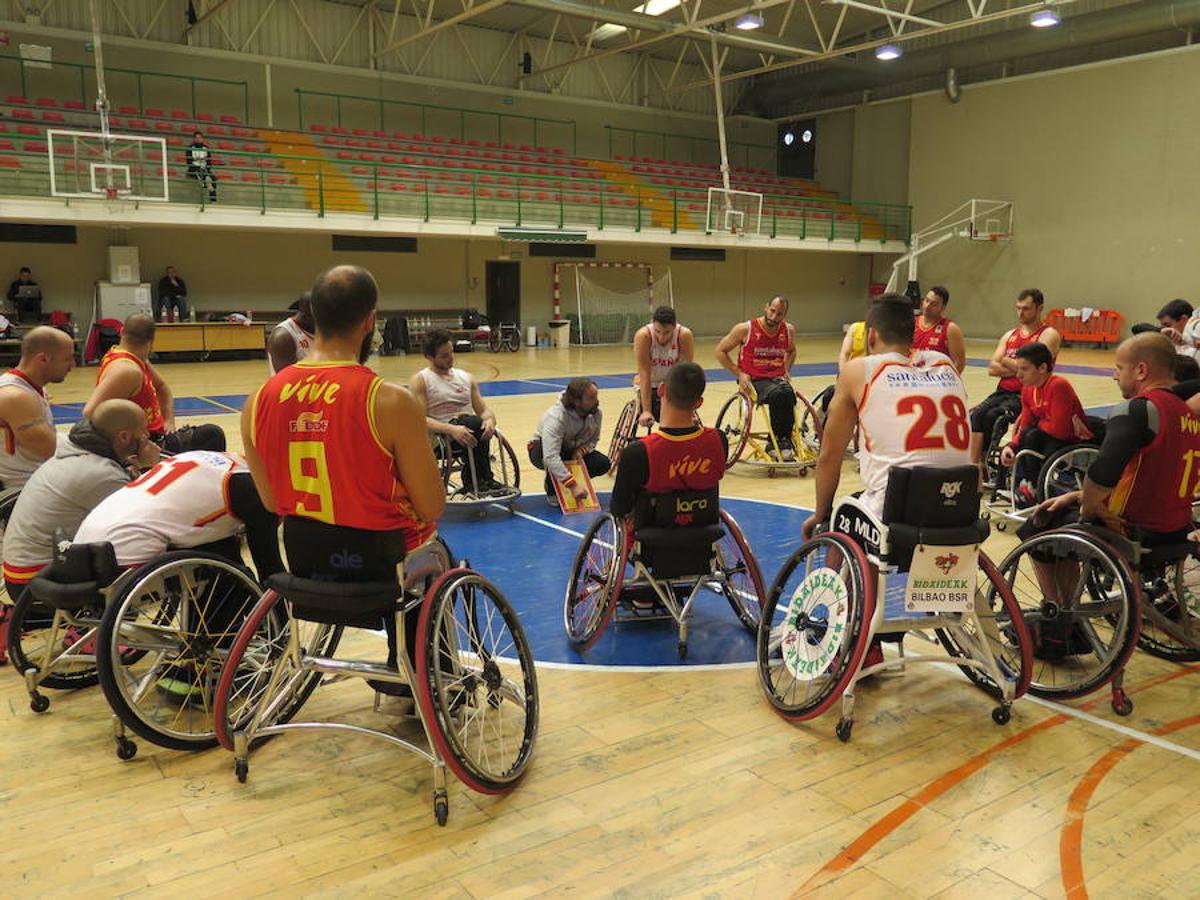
614,300
733,212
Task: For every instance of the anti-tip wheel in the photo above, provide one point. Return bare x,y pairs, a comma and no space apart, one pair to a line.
1001,715
441,811
1001,525
241,768
126,749
39,703
843,729
1121,704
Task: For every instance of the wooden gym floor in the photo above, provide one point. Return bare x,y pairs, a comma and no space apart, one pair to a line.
644,783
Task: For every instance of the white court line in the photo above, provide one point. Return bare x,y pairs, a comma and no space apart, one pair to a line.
557,387
525,515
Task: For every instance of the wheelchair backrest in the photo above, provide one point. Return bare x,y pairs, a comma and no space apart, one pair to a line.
679,509
77,576
326,552
931,497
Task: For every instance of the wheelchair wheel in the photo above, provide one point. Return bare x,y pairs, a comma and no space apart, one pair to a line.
1005,634
596,579
476,681
815,626
625,432
743,584
733,421
991,455
39,633
1064,470
456,467
809,428
513,340
260,669
1081,644
1171,612
495,340
162,643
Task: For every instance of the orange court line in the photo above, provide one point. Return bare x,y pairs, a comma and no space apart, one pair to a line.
1070,844
892,820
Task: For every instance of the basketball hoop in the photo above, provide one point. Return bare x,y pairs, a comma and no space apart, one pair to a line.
111,192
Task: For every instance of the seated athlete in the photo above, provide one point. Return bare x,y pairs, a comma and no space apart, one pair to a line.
658,347
854,344
454,407
99,456
1143,481
126,374
935,331
1006,399
292,338
341,455
768,349
570,429
1051,417
680,456
914,414
197,500
47,356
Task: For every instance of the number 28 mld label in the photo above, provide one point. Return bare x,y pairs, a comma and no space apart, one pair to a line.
942,579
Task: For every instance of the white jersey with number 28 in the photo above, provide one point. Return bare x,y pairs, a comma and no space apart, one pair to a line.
913,412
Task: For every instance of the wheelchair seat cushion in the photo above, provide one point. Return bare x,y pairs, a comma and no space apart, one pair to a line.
676,552
356,604
77,577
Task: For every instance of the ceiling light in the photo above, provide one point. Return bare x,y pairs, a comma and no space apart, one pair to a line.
1044,18
749,22
789,138
649,8
888,52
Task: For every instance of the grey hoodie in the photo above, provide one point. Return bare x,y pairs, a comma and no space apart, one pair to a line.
562,431
57,498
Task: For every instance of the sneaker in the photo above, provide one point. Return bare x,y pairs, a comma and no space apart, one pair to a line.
552,501
181,689
1024,496
874,654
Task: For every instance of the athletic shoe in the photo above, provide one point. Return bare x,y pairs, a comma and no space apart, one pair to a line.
1024,496
552,502
874,654
182,690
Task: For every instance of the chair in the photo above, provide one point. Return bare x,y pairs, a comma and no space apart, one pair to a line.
457,465
761,448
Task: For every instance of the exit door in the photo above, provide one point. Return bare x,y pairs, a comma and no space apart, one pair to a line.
503,291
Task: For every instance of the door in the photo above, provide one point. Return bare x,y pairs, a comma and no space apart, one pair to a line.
503,291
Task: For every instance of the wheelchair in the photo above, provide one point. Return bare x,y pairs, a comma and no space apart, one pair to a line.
457,467
760,448
1122,595
667,568
626,429
827,603
1059,472
474,681
153,636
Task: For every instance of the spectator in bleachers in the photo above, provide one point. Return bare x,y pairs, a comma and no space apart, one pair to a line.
172,297
199,163
25,295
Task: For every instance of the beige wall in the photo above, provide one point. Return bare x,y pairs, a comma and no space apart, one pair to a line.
265,271
879,169
1101,164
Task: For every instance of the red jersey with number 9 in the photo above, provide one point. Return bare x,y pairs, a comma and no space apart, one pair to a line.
314,428
913,412
764,355
1158,485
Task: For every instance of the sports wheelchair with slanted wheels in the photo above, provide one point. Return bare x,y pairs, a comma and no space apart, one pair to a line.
474,681
828,601
626,428
761,448
1111,593
656,573
457,465
154,636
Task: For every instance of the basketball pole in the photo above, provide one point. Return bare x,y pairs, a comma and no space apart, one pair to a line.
101,94
716,76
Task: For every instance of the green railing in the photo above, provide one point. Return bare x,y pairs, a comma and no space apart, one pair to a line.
449,117
425,192
661,143
142,80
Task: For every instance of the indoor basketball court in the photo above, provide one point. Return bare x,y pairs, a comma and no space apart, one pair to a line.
617,160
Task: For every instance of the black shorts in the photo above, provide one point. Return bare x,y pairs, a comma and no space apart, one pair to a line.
1039,524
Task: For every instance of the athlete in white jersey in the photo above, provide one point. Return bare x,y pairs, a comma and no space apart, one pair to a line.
292,339
192,500
454,407
658,347
47,355
911,410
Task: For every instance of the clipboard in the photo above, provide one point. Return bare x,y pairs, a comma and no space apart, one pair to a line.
566,500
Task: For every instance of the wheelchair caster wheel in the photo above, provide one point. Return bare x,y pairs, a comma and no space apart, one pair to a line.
441,811
1121,704
986,516
241,768
843,729
1002,525
39,703
1001,715
126,749
770,473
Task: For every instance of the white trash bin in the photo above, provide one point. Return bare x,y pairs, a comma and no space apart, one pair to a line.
531,336
560,333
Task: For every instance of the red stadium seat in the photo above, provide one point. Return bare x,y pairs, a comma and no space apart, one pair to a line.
239,132
21,114
154,113
128,110
345,154
9,162
338,129
204,117
230,120
34,147
74,104
28,129
320,129
163,126
45,101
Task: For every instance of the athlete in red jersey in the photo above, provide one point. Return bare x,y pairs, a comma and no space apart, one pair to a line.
1006,399
768,348
680,457
126,374
933,331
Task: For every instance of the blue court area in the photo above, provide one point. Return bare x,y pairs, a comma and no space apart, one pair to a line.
219,404
529,554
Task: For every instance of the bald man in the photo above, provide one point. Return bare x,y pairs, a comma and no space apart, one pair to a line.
99,456
47,355
126,374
